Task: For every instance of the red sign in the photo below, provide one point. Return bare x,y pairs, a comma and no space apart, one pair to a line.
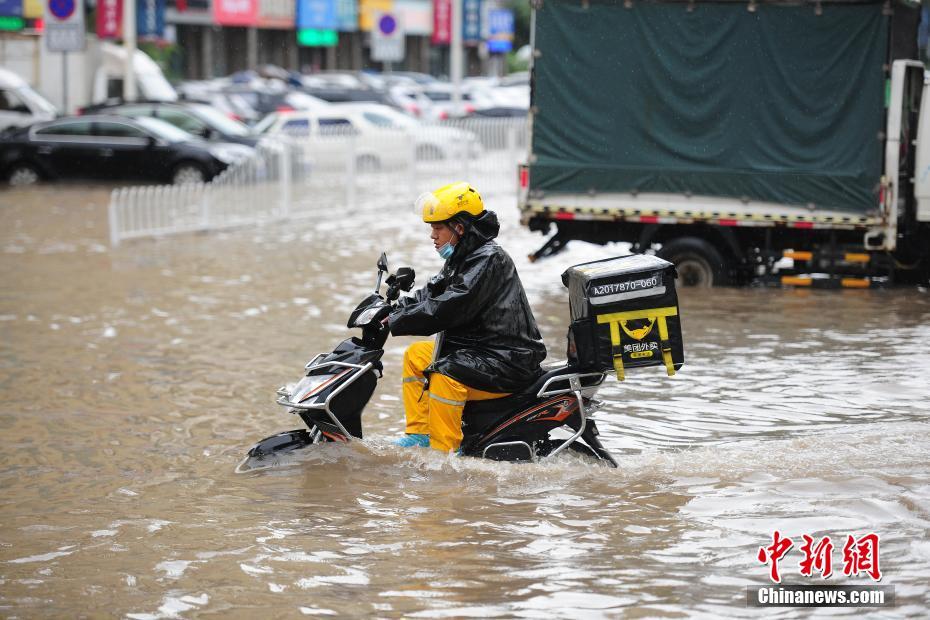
109,19
235,12
442,22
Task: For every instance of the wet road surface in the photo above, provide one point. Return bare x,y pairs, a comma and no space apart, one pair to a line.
133,380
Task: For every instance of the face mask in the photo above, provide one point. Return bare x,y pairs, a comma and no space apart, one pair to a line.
446,250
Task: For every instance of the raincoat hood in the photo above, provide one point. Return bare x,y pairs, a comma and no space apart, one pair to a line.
478,231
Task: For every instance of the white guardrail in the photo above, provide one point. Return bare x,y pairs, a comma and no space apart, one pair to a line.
298,176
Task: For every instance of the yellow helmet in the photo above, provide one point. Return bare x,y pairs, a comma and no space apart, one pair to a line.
448,201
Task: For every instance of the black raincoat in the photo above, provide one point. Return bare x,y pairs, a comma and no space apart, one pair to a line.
491,341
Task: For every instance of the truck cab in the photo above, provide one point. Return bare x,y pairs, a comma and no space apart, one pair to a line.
20,105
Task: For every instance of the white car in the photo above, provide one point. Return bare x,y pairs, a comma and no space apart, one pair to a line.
410,98
440,94
332,135
432,142
384,137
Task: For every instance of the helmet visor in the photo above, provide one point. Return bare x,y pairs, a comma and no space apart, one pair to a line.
425,206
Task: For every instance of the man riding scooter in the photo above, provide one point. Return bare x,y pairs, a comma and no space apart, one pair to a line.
488,345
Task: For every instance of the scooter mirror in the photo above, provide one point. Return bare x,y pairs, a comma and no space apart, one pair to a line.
382,262
404,278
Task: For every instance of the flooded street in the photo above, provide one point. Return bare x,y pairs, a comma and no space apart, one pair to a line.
133,380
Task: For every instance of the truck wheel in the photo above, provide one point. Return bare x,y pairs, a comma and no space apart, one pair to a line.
698,262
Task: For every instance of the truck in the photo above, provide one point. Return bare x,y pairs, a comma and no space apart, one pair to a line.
94,75
782,143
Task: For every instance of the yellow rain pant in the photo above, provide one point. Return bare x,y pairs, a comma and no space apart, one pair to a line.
438,412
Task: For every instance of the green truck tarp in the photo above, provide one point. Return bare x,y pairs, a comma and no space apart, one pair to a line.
779,105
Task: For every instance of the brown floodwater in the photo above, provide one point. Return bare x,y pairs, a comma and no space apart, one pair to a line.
133,380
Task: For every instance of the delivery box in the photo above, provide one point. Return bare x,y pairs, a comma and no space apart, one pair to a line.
624,315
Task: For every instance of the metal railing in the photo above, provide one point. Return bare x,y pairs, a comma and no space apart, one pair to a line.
296,176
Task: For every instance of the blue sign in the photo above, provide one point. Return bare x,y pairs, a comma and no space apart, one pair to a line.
11,8
150,19
62,9
316,14
500,31
471,21
387,24
347,15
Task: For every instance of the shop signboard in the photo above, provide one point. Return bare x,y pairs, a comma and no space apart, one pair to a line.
11,23
109,19
416,16
276,14
150,19
11,8
316,14
33,9
235,12
500,31
367,10
347,15
442,22
471,21
310,37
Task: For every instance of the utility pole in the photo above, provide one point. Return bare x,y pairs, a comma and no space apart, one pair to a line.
129,44
455,58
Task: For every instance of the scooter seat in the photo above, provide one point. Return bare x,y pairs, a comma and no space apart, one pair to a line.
479,415
514,401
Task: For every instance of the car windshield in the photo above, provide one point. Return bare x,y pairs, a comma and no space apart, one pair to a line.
303,101
389,119
36,101
265,124
220,121
163,130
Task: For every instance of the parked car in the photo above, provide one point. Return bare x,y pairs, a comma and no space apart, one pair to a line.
432,141
440,94
198,119
19,104
113,148
272,97
247,97
488,97
331,134
409,98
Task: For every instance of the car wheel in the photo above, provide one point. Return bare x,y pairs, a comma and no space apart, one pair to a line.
24,174
188,173
430,152
698,262
368,163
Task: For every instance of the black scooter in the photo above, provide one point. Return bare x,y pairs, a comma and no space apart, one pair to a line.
336,387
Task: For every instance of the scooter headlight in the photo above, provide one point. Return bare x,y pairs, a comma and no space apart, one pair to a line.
366,316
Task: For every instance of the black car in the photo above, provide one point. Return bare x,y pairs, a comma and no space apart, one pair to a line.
199,119
112,148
